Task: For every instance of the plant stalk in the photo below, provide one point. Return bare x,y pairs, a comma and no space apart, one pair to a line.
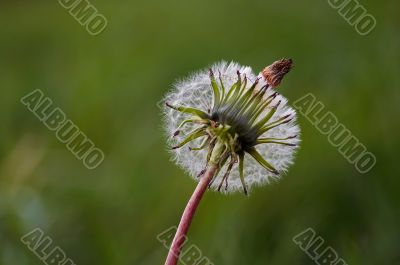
188,214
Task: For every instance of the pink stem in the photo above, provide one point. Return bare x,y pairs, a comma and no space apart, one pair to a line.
180,236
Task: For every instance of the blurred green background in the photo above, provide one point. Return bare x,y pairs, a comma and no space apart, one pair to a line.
110,84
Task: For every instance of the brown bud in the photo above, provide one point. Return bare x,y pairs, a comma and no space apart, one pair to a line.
275,72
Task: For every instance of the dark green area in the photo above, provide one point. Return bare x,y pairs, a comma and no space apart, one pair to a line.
109,85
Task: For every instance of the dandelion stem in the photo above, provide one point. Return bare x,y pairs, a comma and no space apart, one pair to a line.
180,236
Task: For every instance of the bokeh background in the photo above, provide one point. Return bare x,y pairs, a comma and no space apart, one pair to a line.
110,85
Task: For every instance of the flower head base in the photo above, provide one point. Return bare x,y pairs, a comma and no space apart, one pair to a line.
229,114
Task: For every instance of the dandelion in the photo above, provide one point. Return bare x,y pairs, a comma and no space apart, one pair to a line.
230,130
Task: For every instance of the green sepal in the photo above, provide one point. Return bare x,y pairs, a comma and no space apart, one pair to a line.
190,110
267,117
241,172
191,136
256,155
202,145
274,124
215,89
269,141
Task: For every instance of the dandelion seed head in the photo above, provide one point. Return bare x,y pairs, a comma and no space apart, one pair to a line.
195,91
